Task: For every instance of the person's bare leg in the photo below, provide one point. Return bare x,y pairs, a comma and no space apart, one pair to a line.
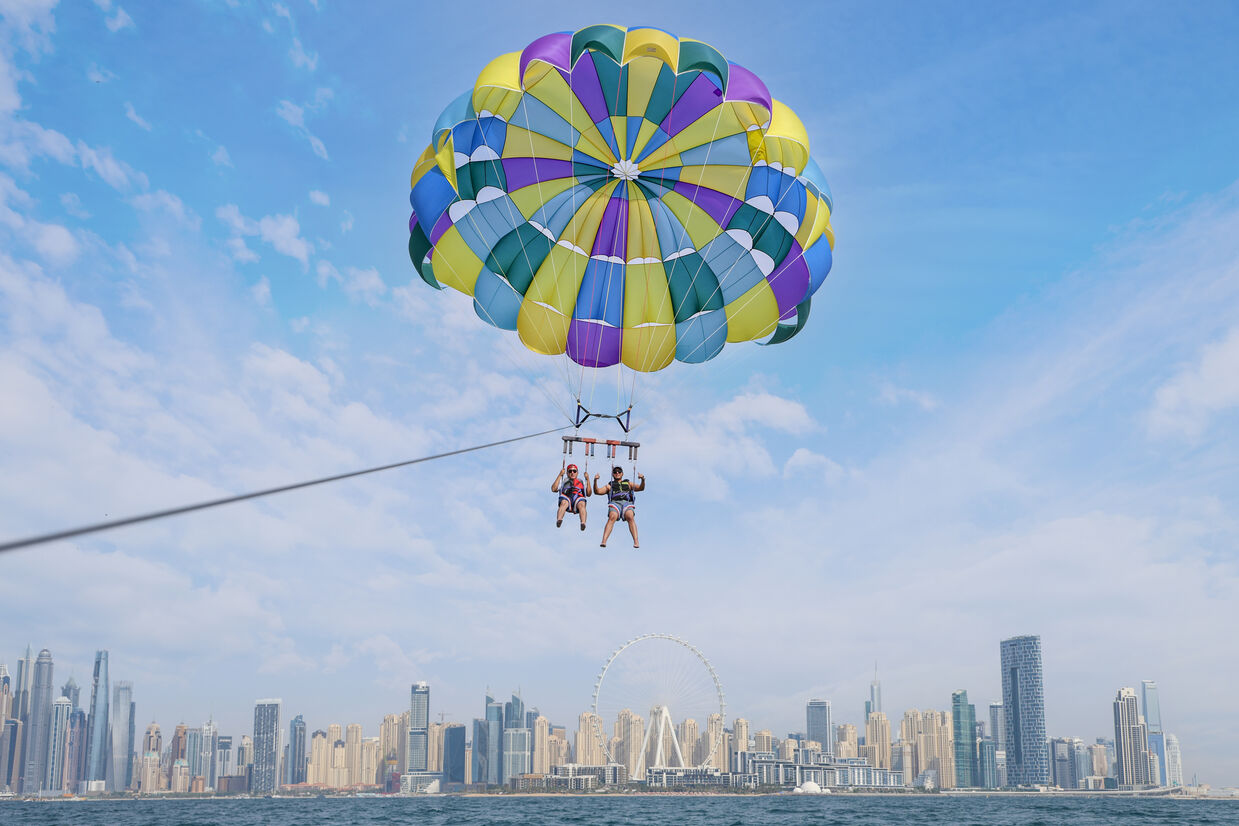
563,508
606,530
631,518
580,508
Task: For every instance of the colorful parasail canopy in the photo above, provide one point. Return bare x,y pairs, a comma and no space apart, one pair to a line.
625,197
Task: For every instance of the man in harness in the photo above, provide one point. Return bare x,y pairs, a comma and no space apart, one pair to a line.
621,502
572,493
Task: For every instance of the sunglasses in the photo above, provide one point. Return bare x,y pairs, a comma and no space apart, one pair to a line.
572,471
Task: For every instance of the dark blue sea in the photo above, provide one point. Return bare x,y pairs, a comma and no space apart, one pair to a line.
843,810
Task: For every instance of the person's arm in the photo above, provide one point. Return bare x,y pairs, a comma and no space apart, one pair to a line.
641,483
601,491
555,484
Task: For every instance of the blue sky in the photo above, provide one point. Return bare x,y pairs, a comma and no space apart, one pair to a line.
1012,411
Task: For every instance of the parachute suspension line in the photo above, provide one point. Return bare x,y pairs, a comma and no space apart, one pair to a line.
562,364
510,345
213,503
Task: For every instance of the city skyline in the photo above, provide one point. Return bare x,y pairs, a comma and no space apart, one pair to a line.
1022,374
420,750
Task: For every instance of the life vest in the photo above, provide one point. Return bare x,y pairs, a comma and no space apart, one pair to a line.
621,492
571,486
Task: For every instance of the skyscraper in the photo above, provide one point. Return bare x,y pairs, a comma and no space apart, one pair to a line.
1153,720
963,734
38,727
588,745
817,726
352,753
1023,702
58,742
740,726
75,751
97,722
1130,741
266,746
878,740
874,703
71,692
481,764
193,752
1174,761
517,746
419,725
122,737
296,751
210,744
494,743
454,753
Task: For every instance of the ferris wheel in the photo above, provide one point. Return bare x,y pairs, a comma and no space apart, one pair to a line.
658,703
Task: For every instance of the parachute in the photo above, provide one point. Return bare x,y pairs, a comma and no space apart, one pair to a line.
623,197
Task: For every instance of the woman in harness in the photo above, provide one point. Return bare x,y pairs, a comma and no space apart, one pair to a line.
572,493
621,502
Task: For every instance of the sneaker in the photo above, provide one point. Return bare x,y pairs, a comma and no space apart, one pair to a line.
558,522
582,526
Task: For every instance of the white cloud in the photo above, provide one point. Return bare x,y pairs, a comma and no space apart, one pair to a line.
95,74
120,20
262,292
164,201
239,251
282,232
23,141
807,466
135,117
346,223
891,394
118,174
319,197
1188,403
54,244
73,205
365,284
294,116
220,156
325,272
301,58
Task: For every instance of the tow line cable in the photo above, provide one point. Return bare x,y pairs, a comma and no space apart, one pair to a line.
147,517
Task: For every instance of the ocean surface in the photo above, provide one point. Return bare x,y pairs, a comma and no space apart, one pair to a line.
843,810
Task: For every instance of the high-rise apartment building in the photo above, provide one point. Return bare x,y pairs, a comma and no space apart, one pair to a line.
419,723
878,738
517,747
740,734
295,770
210,745
1023,702
874,703
390,737
352,754
963,734
266,746
75,751
71,692
58,741
318,771
1130,741
541,746
193,753
38,724
588,746
818,725
1151,705
122,736
1174,761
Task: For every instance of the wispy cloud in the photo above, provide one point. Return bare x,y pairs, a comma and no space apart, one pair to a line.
319,197
135,117
891,394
